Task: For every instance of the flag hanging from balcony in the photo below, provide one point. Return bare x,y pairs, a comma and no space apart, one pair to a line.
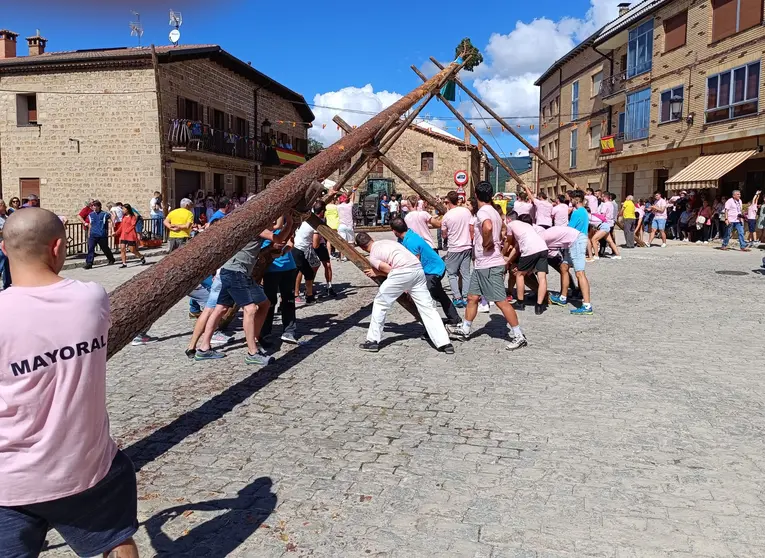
607,144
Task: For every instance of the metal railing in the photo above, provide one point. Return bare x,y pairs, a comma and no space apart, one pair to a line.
192,135
77,236
613,85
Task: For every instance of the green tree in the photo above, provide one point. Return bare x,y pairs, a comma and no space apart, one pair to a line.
470,54
314,146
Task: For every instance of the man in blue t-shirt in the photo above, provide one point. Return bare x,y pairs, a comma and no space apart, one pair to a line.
384,209
224,205
98,223
433,266
280,279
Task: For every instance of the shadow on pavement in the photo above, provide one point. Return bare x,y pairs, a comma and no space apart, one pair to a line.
220,536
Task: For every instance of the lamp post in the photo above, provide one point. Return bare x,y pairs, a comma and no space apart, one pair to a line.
676,107
265,130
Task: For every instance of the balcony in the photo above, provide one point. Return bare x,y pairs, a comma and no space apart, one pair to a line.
190,135
611,145
613,89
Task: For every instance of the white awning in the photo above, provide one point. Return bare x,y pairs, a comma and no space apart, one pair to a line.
706,171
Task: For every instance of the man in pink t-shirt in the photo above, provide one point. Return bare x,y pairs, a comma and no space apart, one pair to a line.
543,208
560,212
59,465
403,273
734,216
530,256
523,205
455,227
420,221
488,278
591,200
345,214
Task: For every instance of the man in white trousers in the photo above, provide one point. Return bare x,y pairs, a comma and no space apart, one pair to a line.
403,273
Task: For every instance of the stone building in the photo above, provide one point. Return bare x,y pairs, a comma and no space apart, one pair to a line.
677,102
431,156
75,125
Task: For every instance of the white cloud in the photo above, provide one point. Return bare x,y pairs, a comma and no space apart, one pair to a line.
357,102
522,153
515,60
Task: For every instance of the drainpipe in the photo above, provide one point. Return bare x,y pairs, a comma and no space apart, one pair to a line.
610,59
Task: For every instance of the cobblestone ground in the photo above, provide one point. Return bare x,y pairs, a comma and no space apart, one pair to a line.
636,432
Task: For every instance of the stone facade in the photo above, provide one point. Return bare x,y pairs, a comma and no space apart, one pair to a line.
643,165
113,116
96,131
449,156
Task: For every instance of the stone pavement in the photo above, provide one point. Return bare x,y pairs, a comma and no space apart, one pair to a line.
636,432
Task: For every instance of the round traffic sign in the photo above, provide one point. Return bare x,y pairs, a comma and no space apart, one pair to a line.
461,178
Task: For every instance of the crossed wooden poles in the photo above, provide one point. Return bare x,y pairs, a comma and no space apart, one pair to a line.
138,303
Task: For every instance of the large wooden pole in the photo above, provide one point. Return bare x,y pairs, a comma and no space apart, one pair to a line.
508,127
137,304
398,171
477,136
331,236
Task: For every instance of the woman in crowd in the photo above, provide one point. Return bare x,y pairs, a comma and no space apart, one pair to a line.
129,236
718,217
640,215
751,217
13,205
707,213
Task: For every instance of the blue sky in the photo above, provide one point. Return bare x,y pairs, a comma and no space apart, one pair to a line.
329,51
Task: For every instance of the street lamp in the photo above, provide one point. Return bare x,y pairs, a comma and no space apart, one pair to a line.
676,107
265,129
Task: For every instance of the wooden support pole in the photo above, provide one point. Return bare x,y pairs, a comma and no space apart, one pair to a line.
471,129
508,127
398,171
331,236
160,287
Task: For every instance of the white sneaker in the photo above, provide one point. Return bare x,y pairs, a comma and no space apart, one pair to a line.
220,338
698,242
706,242
664,245
483,309
616,257
517,343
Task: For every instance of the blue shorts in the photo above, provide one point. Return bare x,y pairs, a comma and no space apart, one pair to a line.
752,225
240,289
575,254
604,227
212,299
92,522
658,224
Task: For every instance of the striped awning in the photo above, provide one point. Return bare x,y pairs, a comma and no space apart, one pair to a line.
706,171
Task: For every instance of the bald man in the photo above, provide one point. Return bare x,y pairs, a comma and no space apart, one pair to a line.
59,466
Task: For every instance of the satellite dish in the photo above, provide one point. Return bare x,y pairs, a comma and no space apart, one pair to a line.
175,36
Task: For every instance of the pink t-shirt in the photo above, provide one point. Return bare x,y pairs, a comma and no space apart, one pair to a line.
559,238
54,428
560,215
492,258
418,222
544,212
592,202
345,213
393,254
661,205
526,238
607,208
751,212
733,209
522,207
456,227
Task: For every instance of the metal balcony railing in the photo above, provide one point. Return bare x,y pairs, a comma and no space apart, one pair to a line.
613,85
191,135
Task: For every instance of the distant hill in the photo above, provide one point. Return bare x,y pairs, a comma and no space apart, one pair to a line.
518,164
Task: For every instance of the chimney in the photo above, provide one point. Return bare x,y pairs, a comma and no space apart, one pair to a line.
7,44
624,7
467,136
36,44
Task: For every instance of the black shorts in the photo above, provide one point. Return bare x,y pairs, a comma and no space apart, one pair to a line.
533,262
323,253
128,242
303,265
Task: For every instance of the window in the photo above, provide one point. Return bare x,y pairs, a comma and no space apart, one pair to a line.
575,100
638,115
241,185
597,79
640,49
300,145
26,110
665,113
544,112
218,182
376,166
219,120
732,16
188,109
675,29
29,186
242,127
733,93
555,149
544,151
572,146
426,161
555,105
620,127
595,136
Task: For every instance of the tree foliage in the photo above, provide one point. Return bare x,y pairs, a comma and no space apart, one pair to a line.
314,146
470,54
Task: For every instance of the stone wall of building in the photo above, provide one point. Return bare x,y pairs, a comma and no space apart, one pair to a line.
449,157
113,114
217,88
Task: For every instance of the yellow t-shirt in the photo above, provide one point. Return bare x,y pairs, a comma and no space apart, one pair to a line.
180,216
332,216
628,210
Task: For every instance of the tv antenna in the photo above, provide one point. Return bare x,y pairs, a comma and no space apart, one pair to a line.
136,27
176,20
